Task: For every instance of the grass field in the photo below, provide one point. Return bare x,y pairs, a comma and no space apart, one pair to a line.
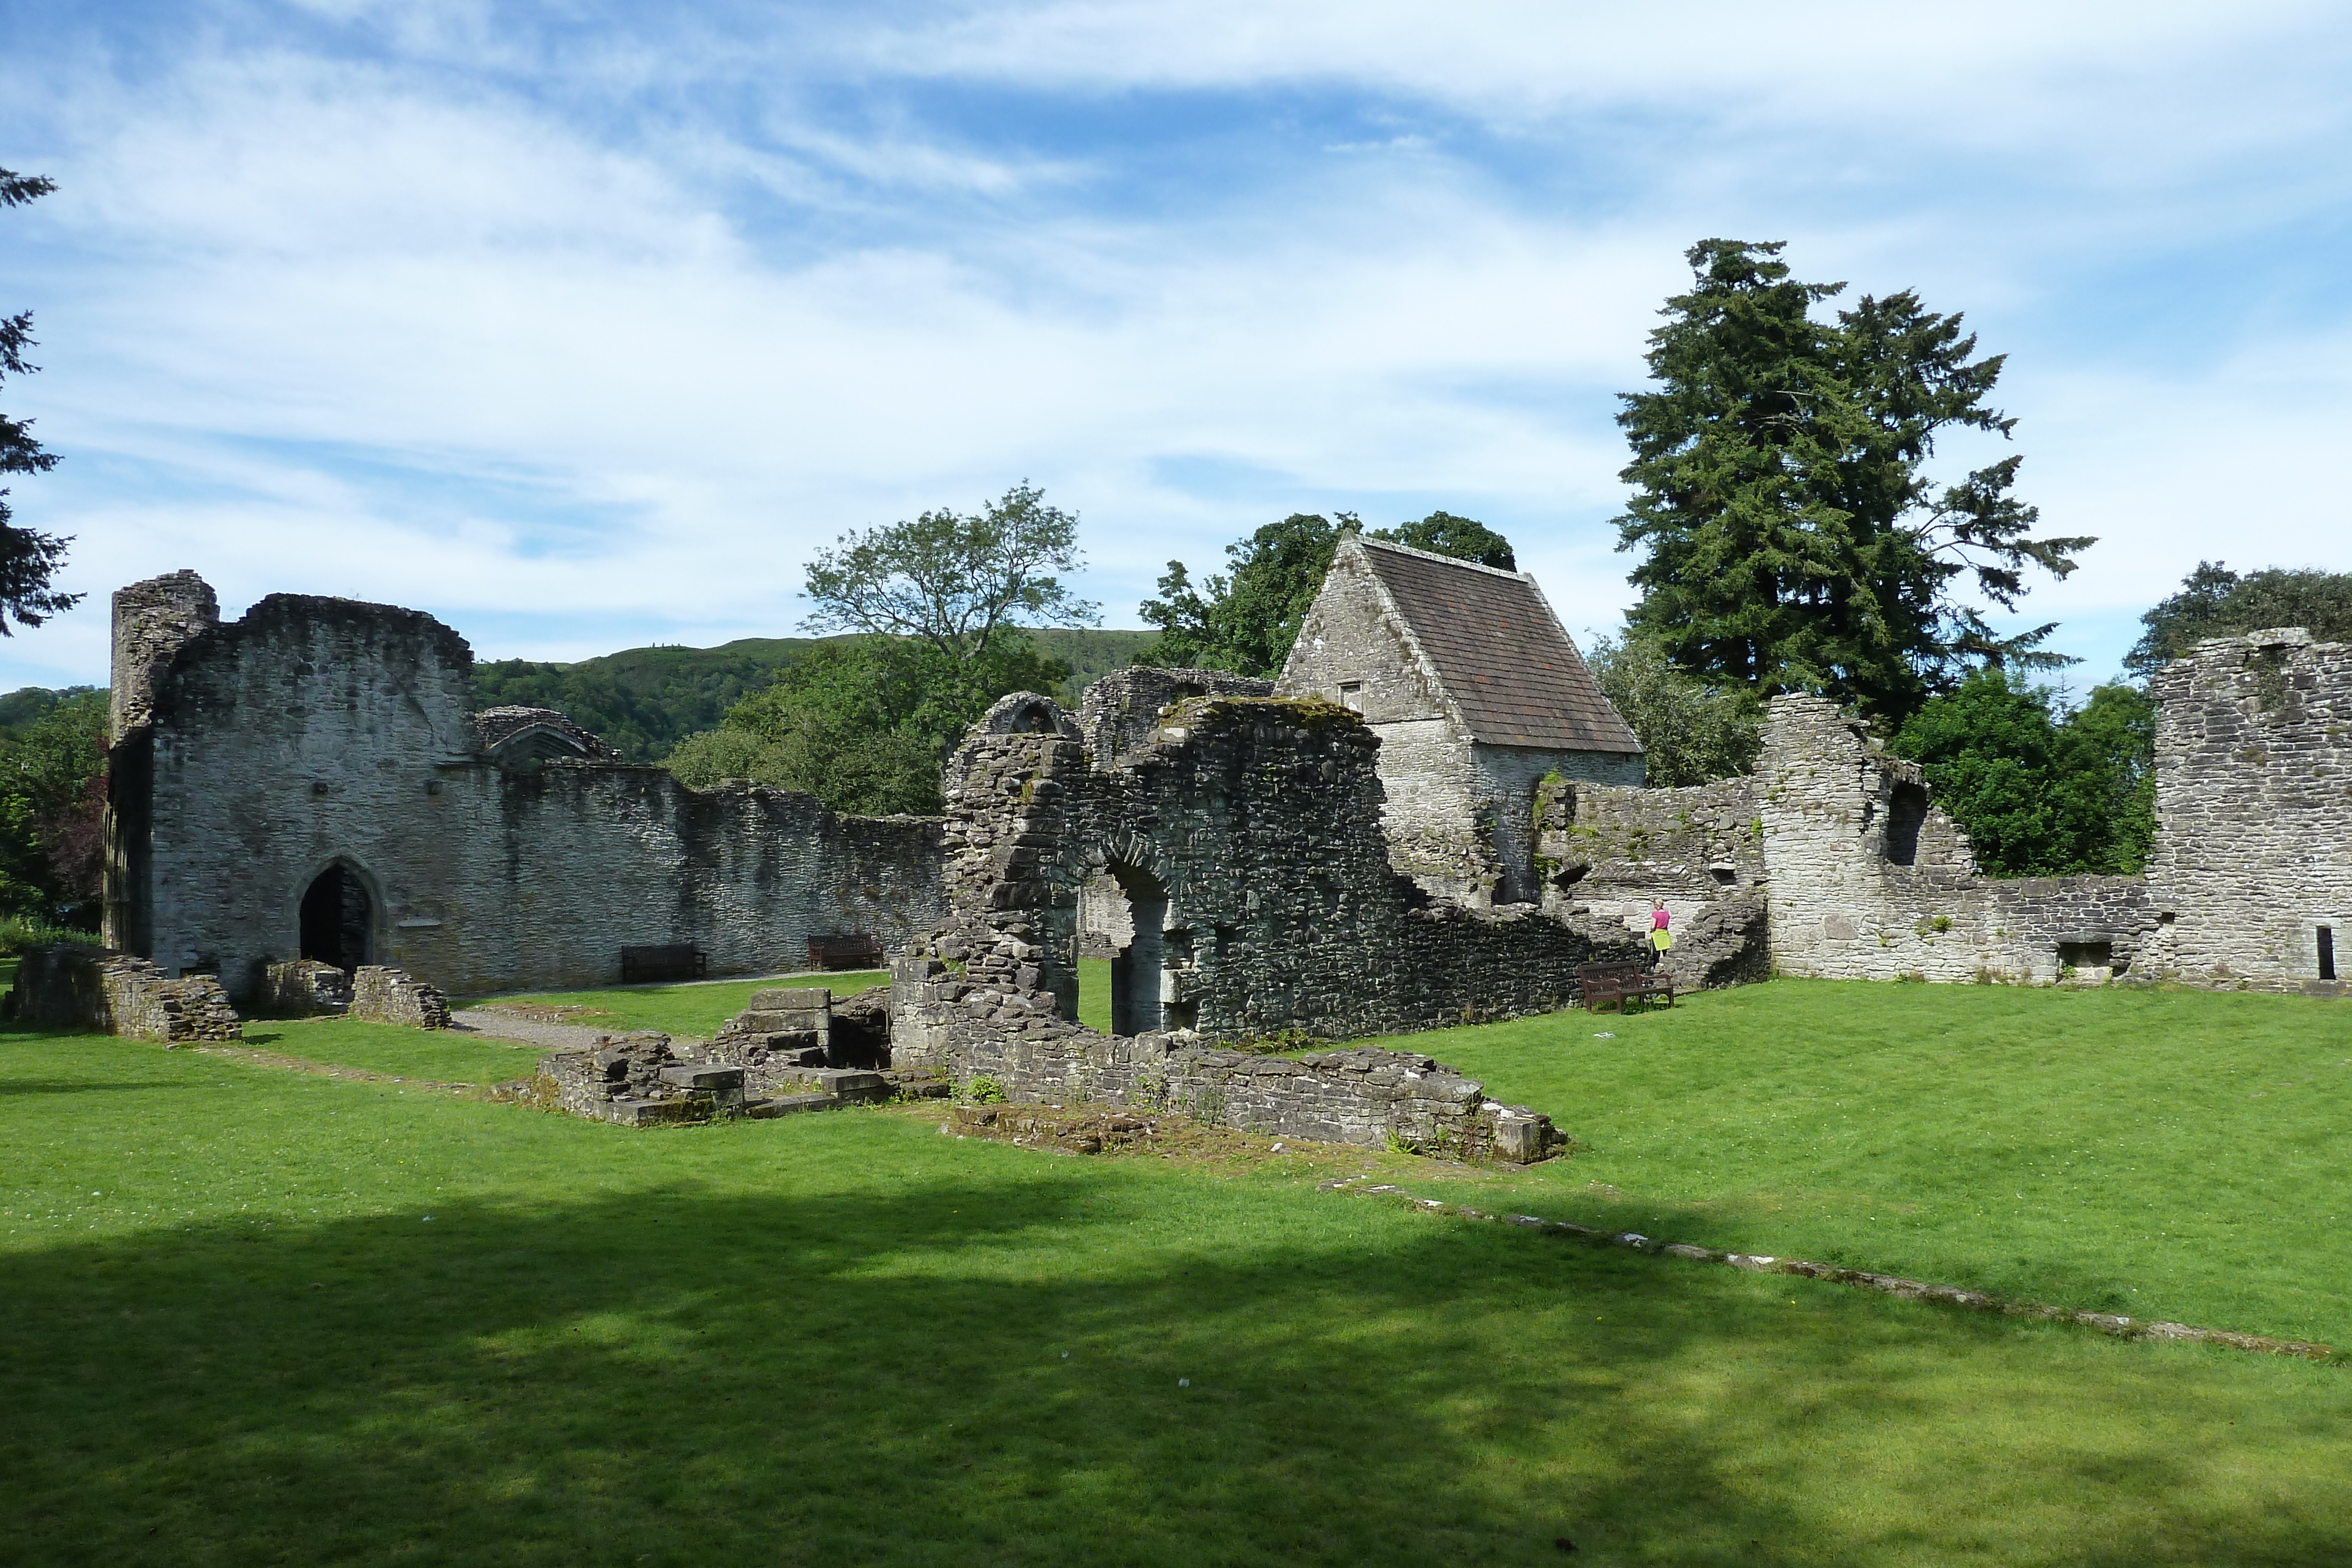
2169,1153
260,1316
695,1010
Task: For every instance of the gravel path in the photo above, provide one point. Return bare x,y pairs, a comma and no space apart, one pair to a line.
498,1025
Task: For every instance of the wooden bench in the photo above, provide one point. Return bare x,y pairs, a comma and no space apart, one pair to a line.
1616,982
669,961
851,950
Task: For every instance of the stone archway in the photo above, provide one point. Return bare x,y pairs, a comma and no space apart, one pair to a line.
338,918
1139,970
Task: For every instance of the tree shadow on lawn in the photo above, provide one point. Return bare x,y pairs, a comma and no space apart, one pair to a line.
680,1376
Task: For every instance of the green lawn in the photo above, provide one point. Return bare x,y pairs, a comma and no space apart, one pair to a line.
2169,1153
261,1316
695,1010
1094,993
393,1048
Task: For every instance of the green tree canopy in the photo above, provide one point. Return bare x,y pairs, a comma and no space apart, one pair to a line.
2041,792
29,559
1246,619
2215,601
1691,732
1792,538
52,802
956,582
864,724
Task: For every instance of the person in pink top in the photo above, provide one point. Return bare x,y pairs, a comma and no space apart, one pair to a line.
1662,936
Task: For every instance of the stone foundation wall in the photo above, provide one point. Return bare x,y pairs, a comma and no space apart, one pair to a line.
303,988
70,986
390,996
969,1016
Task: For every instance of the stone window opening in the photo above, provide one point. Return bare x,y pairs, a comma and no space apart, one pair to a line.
2079,955
2328,952
338,918
1352,695
1906,813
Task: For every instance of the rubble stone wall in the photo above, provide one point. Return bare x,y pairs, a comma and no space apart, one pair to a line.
1868,880
71,985
303,988
970,1017
1247,837
2253,800
381,995
317,732
1122,712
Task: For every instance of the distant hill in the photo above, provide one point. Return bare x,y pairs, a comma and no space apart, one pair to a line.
646,700
24,706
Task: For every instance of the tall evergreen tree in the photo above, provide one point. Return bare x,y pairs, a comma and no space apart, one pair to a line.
29,559
1792,539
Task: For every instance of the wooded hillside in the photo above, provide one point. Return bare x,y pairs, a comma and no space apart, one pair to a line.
645,700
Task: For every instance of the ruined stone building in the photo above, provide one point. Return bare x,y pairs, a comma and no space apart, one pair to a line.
1832,861
312,781
1475,693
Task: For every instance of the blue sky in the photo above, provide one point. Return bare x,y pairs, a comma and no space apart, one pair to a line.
581,325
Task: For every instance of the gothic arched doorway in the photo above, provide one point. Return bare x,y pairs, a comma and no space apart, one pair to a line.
338,918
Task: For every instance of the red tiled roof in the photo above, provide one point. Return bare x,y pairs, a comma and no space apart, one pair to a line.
1500,653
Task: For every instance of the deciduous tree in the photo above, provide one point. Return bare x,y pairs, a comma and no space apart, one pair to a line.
2215,601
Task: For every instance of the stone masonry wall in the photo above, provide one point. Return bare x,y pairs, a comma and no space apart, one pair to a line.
2253,802
961,1008
1122,712
1248,838
75,986
1869,880
321,732
380,995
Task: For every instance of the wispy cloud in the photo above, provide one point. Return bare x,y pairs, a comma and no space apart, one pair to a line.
583,329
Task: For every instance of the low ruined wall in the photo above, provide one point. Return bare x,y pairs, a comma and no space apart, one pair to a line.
972,1016
303,988
389,996
73,986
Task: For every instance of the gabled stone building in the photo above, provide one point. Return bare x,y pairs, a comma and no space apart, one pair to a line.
1475,693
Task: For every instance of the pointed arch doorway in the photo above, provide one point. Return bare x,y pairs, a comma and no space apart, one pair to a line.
338,918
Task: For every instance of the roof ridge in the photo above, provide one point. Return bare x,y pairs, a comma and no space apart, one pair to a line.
1514,576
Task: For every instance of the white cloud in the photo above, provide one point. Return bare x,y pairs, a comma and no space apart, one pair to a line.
367,327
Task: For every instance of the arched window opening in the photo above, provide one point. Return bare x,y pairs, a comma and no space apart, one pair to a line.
1905,814
1139,970
338,918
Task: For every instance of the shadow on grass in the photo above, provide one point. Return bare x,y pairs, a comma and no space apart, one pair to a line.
31,1086
678,1377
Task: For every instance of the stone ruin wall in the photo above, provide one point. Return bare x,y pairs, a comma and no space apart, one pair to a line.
70,986
2253,800
1608,853
1245,835
959,1009
1868,880
1252,825
316,731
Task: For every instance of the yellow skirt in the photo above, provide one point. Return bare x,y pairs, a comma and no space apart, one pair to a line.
1664,941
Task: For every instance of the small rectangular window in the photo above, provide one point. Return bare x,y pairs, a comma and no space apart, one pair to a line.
1352,692
2328,952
